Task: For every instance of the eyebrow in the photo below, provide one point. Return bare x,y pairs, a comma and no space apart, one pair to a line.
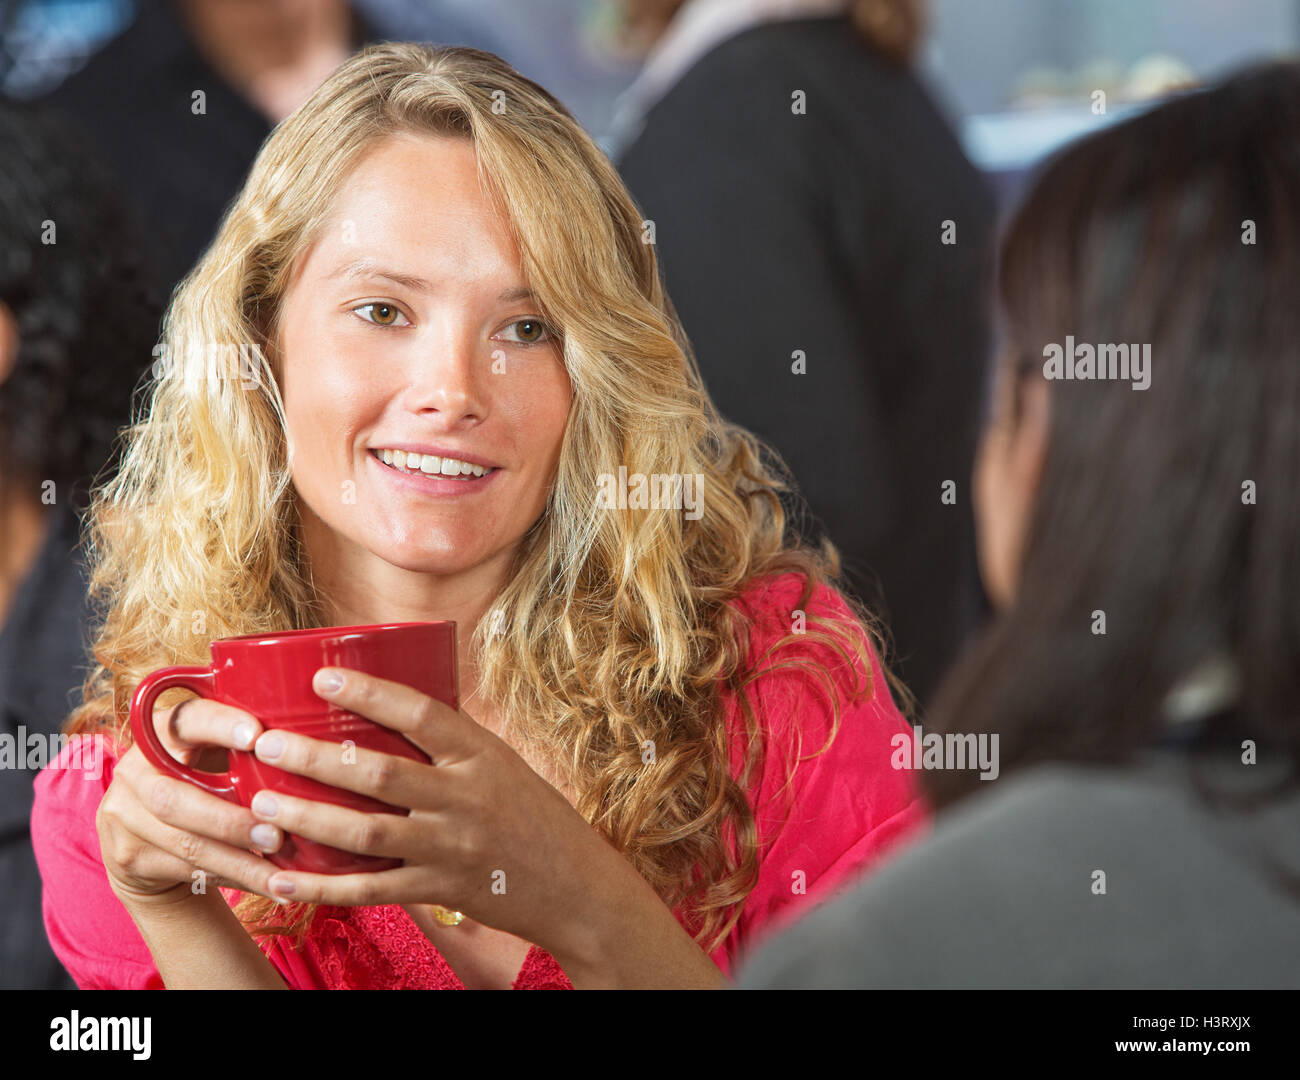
370,268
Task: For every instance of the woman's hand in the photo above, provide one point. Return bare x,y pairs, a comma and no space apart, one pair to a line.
486,835
157,831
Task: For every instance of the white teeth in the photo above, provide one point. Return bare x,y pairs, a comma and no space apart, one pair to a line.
430,464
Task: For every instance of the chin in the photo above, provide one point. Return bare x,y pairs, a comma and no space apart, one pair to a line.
427,559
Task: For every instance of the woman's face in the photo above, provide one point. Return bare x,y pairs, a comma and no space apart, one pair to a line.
409,327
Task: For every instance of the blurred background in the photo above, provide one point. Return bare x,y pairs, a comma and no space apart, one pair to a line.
775,240
1011,74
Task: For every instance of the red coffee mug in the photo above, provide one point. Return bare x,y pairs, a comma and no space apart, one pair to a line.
269,676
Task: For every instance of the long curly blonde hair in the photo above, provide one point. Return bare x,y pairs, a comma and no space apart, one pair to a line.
617,626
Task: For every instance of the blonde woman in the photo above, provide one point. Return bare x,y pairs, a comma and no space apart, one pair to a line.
675,732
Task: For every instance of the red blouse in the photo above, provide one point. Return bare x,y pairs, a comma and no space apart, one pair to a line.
842,809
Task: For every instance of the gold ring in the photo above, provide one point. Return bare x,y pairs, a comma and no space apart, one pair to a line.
446,916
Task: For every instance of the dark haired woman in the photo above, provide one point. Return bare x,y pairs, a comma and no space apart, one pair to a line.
1140,532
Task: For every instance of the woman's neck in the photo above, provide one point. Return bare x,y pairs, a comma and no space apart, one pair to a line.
361,589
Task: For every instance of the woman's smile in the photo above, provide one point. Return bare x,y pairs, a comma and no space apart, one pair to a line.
433,475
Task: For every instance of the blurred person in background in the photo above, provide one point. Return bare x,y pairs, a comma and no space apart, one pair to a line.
76,331
810,206
179,103
1143,550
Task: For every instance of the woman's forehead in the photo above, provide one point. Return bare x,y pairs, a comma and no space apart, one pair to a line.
415,216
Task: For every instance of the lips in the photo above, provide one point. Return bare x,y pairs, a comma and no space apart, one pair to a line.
433,483
430,464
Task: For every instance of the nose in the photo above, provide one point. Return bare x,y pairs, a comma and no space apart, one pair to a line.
447,372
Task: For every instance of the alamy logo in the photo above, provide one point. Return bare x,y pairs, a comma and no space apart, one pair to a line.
658,491
917,750
1125,363
37,750
77,1032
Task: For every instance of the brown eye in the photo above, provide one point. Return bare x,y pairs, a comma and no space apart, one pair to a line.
378,313
529,330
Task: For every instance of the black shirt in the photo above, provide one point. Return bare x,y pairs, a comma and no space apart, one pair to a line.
821,233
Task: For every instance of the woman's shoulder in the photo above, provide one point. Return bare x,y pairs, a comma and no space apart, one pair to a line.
782,590
816,692
826,799
1003,871
784,616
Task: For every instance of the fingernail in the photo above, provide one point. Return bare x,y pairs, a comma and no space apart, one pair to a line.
265,805
282,886
245,734
328,682
270,746
267,837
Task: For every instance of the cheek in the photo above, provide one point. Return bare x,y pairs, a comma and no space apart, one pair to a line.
539,411
303,404
983,477
989,491
326,400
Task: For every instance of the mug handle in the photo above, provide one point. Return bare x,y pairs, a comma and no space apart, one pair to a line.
198,679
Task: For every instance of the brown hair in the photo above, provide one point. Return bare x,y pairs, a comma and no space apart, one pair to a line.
1179,229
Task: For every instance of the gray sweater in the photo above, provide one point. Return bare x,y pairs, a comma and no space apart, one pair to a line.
1004,893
